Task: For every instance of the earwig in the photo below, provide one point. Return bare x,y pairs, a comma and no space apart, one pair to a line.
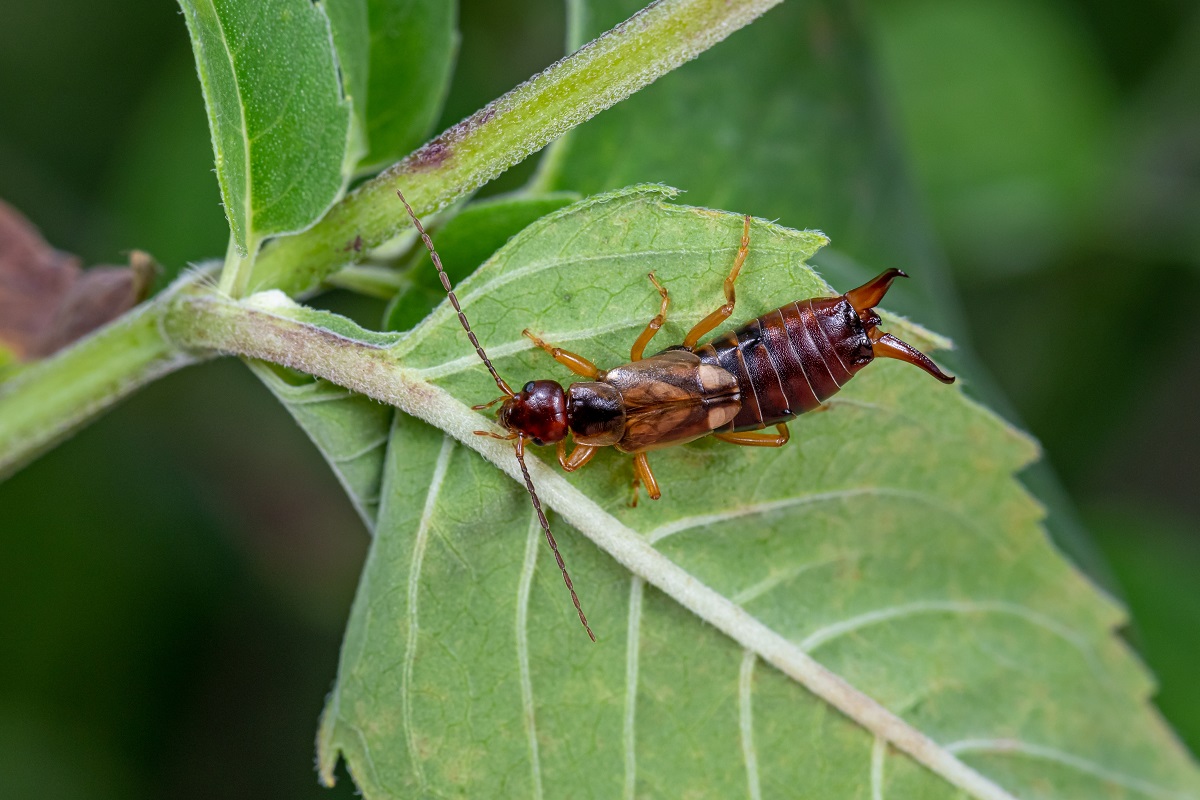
766,373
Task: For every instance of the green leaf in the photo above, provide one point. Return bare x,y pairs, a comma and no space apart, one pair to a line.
351,40
412,49
396,58
463,243
350,430
279,121
885,563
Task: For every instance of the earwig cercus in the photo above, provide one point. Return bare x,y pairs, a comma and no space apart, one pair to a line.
766,373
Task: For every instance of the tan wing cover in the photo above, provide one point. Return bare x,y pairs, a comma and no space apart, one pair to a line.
671,398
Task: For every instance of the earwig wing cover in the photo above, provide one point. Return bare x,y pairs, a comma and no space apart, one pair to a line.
644,429
873,610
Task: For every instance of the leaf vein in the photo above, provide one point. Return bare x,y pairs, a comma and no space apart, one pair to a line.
1018,747
445,313
632,641
746,722
241,107
524,586
752,509
414,577
830,632
878,754
370,446
496,352
776,579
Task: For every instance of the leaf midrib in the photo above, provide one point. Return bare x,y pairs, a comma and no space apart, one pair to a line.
247,212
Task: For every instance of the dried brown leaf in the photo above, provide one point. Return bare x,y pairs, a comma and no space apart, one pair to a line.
47,300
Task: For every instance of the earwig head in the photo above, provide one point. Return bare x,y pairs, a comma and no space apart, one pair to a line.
538,411
884,345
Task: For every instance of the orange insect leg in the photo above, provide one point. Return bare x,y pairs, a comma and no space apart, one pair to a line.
576,363
581,455
643,476
639,347
721,314
758,439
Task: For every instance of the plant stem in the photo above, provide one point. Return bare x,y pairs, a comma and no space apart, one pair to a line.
550,165
203,320
47,401
506,131
235,275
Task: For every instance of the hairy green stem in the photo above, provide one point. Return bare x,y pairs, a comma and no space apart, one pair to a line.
47,401
203,321
505,132
235,275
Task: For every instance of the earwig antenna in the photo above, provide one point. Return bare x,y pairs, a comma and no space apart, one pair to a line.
462,318
520,439
537,506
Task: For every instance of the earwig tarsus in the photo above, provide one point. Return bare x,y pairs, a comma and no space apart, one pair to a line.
765,373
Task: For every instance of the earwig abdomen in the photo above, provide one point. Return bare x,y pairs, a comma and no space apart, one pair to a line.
790,360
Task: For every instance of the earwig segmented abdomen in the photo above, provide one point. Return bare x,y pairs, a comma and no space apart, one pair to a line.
790,360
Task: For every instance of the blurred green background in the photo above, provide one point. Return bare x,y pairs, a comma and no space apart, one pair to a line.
176,577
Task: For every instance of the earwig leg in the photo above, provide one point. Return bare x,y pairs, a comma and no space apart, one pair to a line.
489,404
758,439
635,353
721,314
581,455
576,363
502,437
643,475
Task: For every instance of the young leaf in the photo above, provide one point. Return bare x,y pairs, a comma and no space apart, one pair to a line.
656,40
885,563
279,121
395,58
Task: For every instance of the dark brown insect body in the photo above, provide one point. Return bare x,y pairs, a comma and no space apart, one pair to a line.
766,373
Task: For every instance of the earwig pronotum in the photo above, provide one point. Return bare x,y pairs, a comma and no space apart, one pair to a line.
767,372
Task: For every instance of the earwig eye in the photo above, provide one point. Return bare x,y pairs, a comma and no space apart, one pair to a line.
527,387
538,441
